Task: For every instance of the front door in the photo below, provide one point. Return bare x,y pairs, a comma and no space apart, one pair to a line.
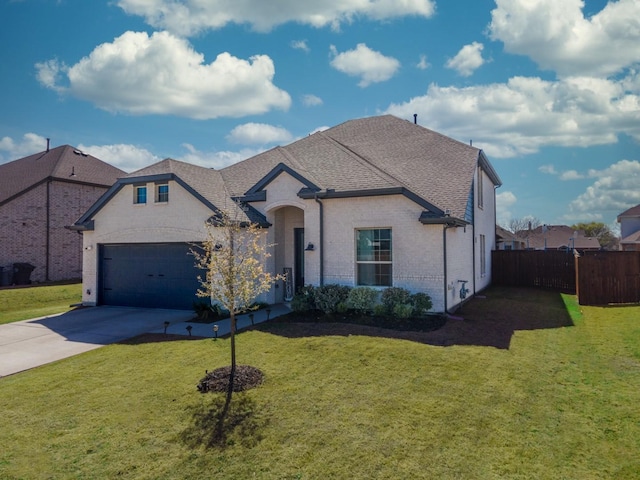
298,262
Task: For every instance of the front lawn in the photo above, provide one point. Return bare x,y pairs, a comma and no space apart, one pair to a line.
37,301
556,399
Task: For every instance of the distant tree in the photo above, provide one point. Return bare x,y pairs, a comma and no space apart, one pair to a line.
520,226
233,258
602,232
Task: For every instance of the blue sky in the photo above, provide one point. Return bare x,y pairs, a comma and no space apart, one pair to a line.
549,90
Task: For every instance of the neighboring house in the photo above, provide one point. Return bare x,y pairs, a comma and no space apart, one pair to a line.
629,221
39,196
505,240
377,201
557,237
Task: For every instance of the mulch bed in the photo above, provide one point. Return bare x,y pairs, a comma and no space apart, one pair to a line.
428,323
245,378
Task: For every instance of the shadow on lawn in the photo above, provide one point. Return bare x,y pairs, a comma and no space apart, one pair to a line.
241,424
487,320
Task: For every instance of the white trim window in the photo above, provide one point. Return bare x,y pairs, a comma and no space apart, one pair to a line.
162,193
140,194
374,266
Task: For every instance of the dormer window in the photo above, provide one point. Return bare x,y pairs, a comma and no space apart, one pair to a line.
140,194
162,193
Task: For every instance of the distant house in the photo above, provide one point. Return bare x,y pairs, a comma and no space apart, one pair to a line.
557,237
378,202
506,240
39,196
629,221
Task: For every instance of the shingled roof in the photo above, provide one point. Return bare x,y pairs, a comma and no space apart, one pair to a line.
64,163
373,154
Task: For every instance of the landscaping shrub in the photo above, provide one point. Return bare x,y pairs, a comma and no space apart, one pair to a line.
403,310
421,304
379,310
393,296
304,300
362,299
328,297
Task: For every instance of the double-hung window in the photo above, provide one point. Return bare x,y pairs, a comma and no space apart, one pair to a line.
373,257
162,193
140,194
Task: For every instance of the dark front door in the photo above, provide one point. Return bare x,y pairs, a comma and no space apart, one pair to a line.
298,263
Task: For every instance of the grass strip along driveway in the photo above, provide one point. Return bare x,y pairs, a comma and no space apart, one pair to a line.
32,302
554,395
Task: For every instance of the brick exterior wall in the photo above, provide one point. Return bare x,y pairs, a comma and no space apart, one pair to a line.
23,229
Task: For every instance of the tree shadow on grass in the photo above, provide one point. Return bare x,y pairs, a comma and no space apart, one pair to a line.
242,424
487,320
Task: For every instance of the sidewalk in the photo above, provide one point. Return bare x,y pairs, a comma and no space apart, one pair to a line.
224,325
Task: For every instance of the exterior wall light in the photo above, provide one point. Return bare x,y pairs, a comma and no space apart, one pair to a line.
310,247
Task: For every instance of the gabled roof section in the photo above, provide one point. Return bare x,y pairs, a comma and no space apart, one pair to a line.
381,155
64,163
205,184
274,173
632,212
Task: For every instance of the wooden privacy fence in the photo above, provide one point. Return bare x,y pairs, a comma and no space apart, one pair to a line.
608,277
597,278
534,268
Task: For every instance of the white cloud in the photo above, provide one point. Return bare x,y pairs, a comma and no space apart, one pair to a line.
614,191
189,17
566,175
525,114
29,144
310,100
126,157
162,74
300,45
504,202
423,64
467,60
218,159
557,36
369,65
259,134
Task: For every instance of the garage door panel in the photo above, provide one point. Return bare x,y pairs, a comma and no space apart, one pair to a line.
148,275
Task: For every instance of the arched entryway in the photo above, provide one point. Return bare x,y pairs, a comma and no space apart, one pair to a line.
289,249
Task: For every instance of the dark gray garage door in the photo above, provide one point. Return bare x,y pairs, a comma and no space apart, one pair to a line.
148,275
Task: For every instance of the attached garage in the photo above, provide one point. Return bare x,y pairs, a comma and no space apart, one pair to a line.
152,275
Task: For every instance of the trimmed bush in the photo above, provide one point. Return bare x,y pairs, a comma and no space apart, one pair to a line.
403,310
393,296
379,310
328,297
421,303
362,299
304,300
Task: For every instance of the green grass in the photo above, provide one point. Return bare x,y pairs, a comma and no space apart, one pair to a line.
32,302
559,403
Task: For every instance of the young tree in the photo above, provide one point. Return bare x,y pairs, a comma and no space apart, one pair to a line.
521,226
602,232
233,257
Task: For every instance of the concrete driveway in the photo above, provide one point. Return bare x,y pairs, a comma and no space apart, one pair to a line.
31,343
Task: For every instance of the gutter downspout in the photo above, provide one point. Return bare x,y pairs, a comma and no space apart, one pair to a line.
444,250
48,231
321,239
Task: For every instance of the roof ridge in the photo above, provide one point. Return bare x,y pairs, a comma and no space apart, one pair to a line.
298,164
359,158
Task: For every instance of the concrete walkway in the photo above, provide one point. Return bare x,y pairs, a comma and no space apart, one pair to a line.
31,343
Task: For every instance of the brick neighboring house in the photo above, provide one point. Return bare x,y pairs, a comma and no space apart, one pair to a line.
40,195
377,201
629,221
